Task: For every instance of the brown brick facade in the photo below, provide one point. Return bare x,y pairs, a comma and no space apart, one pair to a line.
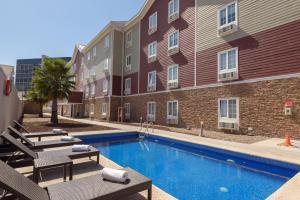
261,106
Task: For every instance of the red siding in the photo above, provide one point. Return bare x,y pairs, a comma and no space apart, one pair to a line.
185,58
116,87
268,53
134,82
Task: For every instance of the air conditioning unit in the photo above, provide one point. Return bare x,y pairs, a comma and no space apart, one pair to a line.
103,115
228,76
151,59
227,30
127,116
173,51
152,30
106,69
172,121
127,92
173,17
173,85
230,126
151,88
150,118
104,92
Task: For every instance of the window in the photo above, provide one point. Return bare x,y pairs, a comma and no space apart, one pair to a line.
173,41
93,89
228,61
92,109
151,109
152,79
173,74
104,85
94,51
86,91
89,55
128,63
173,7
105,64
172,109
152,49
127,86
127,110
153,22
106,41
227,15
104,109
228,110
128,38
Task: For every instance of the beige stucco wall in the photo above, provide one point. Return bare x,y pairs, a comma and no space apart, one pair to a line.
134,50
253,16
10,106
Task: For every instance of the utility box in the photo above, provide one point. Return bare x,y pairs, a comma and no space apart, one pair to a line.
288,108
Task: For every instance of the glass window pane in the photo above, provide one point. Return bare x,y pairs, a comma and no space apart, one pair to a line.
223,17
232,109
232,59
223,108
231,13
223,61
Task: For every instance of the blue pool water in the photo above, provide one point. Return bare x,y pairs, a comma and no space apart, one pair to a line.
190,173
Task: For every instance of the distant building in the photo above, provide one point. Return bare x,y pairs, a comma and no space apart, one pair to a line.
8,71
25,69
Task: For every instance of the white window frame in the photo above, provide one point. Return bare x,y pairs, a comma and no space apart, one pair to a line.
94,51
169,6
127,85
226,7
104,109
129,42
172,116
152,45
152,19
92,109
87,92
174,80
104,85
93,90
106,41
127,108
227,119
169,37
236,61
128,66
89,56
154,84
151,115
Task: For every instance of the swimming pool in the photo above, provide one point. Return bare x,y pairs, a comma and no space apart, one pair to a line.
192,171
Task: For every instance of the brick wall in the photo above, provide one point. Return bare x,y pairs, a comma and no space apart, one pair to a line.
261,106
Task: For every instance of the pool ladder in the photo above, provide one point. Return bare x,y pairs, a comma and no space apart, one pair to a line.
146,127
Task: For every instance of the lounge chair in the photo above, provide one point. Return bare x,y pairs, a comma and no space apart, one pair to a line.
92,187
48,154
42,144
38,135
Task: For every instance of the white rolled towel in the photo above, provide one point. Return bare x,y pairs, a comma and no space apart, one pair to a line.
80,148
114,175
67,138
56,130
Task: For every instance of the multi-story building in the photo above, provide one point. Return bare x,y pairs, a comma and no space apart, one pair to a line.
25,70
230,65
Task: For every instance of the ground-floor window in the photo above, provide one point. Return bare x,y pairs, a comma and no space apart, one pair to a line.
228,112
127,110
172,112
92,109
151,109
104,109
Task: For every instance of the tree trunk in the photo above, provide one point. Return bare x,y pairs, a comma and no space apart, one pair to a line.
41,110
54,118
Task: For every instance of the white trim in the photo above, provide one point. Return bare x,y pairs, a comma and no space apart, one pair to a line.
139,57
128,67
195,44
150,17
171,116
149,76
127,89
128,43
226,7
104,105
288,76
236,69
111,63
177,12
228,120
151,115
149,46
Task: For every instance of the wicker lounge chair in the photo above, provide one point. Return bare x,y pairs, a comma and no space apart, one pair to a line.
48,154
38,135
93,187
42,144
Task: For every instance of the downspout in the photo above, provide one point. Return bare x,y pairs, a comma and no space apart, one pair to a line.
195,47
111,71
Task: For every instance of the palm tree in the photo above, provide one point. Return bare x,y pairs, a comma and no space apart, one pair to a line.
55,80
37,97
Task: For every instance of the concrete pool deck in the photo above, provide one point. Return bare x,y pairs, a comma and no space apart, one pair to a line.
265,149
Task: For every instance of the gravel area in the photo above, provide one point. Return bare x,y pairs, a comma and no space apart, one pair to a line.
36,124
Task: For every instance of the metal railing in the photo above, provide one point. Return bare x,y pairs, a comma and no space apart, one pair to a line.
144,128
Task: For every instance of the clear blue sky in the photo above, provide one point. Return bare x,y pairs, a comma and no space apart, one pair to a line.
30,28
